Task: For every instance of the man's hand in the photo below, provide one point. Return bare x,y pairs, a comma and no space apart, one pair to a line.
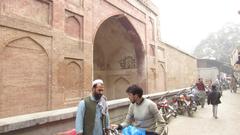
115,126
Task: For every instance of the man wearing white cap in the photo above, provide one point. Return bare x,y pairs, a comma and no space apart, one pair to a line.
92,113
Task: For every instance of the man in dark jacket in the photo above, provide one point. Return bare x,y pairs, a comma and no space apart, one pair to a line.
214,99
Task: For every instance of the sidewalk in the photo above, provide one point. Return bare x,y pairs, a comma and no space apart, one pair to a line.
203,122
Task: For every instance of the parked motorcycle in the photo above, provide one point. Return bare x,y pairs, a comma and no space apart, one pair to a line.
165,108
180,104
191,104
184,102
195,97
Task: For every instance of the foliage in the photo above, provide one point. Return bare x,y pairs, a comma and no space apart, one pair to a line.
220,45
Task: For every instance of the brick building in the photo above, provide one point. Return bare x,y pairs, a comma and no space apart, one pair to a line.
51,50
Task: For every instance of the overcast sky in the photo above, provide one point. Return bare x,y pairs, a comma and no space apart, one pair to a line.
184,23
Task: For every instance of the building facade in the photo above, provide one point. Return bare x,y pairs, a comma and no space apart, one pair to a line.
51,50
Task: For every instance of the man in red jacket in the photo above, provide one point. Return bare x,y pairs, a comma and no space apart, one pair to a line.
201,92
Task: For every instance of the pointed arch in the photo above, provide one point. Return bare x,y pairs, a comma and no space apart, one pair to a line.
73,27
26,43
73,81
74,63
24,77
122,51
120,86
132,34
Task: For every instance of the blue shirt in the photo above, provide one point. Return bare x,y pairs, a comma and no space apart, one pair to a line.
97,130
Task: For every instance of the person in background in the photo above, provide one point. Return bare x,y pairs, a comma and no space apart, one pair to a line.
209,87
233,84
214,99
92,116
217,83
201,92
142,113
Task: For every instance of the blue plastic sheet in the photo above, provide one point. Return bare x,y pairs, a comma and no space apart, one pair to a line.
131,130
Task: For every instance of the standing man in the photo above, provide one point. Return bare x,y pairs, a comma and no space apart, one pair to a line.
142,113
201,92
233,84
214,99
217,83
92,114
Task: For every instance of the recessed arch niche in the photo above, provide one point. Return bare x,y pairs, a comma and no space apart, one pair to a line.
118,53
24,67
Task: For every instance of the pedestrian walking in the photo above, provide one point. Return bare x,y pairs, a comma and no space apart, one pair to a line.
201,92
218,85
214,99
233,84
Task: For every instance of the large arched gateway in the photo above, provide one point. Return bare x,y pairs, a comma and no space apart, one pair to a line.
118,56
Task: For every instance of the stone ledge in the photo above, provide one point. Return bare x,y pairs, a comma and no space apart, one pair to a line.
29,120
34,119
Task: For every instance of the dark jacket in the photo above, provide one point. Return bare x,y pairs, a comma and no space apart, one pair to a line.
89,116
214,97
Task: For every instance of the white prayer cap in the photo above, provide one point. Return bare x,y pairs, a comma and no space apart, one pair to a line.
97,81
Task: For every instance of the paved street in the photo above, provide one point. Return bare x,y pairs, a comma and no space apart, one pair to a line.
203,122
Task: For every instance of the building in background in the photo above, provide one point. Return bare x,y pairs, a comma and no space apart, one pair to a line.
212,69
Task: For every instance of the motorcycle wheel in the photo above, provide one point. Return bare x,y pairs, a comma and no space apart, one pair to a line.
166,119
165,114
190,112
173,112
165,132
194,108
180,111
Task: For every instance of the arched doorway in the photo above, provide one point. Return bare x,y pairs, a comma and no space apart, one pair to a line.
118,56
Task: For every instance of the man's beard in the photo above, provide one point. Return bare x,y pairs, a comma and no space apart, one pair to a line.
97,96
133,101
